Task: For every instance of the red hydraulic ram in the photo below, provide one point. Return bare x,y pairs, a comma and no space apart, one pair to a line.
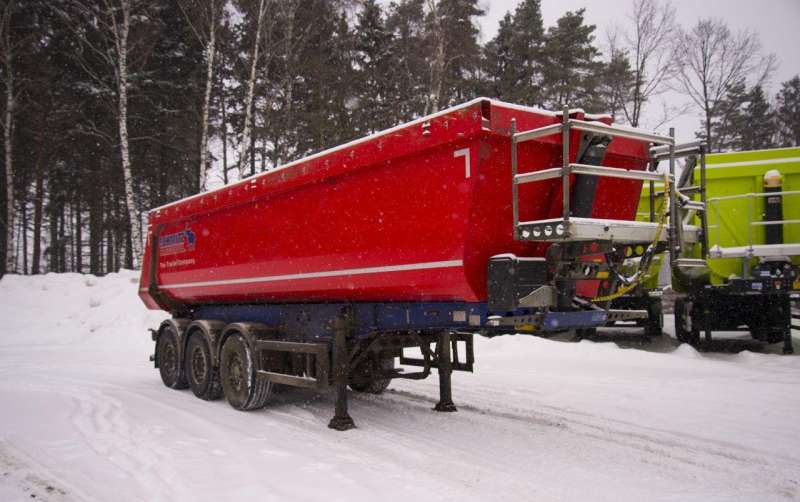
409,214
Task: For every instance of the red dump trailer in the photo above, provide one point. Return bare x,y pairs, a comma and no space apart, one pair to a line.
481,217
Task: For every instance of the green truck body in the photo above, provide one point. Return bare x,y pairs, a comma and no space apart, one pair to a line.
730,220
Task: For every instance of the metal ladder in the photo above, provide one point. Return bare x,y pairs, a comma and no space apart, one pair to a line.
568,228
682,204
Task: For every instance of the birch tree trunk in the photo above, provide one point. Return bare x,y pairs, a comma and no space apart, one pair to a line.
251,83
224,135
438,63
8,124
37,205
210,52
121,40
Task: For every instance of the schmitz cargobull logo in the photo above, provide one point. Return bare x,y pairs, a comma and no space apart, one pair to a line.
178,242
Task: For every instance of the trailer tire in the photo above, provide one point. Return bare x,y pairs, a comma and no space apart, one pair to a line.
199,369
169,359
242,388
685,331
362,379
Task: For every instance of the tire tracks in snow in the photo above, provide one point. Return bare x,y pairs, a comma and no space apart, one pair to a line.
32,479
688,453
100,419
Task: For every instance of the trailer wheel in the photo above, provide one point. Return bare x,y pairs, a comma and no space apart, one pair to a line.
169,362
241,386
685,331
200,372
362,378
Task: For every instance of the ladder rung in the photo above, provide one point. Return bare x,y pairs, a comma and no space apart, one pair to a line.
690,190
690,262
615,172
681,150
620,132
697,206
537,133
544,174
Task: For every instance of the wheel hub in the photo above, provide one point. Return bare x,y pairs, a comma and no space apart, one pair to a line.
199,369
169,359
236,373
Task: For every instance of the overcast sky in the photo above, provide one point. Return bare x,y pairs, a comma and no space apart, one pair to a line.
777,22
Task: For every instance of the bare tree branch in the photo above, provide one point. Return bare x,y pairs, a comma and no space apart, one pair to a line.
713,60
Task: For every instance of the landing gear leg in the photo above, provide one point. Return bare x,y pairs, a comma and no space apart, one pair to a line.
788,348
341,420
445,370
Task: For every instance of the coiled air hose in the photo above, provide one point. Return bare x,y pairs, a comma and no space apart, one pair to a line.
629,283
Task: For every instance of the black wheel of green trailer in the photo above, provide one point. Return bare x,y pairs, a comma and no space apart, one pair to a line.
169,359
767,335
362,378
242,388
202,376
653,325
685,331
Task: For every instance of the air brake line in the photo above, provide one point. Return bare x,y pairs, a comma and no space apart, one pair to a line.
634,280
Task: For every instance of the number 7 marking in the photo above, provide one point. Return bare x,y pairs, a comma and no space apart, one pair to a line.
464,152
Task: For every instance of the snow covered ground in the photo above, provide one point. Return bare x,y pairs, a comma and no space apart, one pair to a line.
84,416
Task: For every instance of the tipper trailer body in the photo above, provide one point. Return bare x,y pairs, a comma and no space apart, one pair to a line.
323,270
410,214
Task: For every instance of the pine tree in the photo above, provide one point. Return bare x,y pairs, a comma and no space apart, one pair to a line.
571,67
323,91
788,112
452,38
758,129
527,57
726,127
498,64
745,121
222,102
616,81
374,75
9,45
406,22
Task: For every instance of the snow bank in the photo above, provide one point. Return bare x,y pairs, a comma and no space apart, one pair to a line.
85,417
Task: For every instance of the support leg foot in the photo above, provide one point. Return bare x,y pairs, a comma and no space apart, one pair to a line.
445,407
445,403
344,423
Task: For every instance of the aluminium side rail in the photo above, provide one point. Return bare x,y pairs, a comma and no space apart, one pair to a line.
752,250
570,228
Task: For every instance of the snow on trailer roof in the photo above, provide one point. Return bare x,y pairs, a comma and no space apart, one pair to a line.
384,132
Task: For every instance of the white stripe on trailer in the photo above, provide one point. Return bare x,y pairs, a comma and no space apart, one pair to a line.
753,163
317,275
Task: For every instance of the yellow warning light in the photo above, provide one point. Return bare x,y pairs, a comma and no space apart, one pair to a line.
773,178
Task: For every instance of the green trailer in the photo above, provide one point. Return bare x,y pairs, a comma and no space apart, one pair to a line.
745,271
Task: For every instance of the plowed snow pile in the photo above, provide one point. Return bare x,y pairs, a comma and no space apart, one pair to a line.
84,416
